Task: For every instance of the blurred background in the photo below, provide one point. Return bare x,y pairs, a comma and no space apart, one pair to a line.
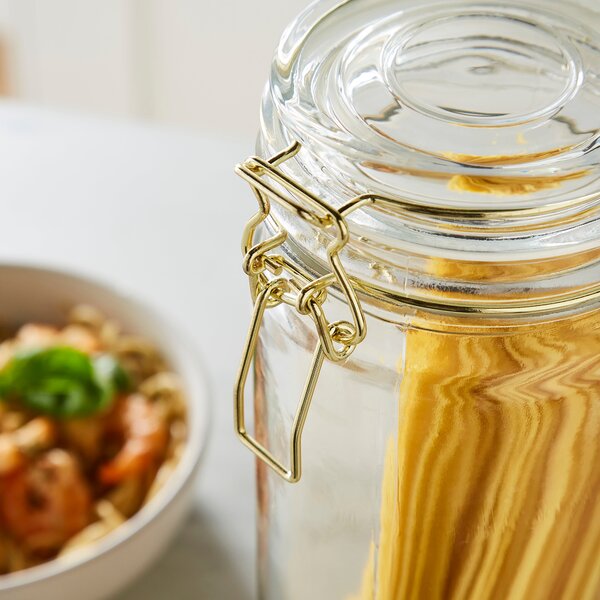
144,58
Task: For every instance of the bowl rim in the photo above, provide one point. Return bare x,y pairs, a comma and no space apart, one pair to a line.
194,451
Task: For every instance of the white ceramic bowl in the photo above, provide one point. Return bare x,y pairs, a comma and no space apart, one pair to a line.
37,294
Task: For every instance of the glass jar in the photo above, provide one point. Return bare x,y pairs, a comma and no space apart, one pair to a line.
425,268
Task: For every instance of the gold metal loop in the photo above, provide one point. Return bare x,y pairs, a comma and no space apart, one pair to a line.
312,291
336,341
292,473
325,329
256,261
270,184
342,332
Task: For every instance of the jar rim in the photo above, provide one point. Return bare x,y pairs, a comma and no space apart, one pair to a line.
331,89
292,197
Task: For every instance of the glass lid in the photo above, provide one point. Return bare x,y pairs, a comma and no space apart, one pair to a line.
446,103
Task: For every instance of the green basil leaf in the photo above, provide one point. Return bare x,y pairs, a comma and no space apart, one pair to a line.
59,397
110,377
62,382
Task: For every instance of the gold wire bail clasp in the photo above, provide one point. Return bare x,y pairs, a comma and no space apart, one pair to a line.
337,340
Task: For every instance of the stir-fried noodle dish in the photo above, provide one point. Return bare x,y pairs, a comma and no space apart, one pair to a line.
92,423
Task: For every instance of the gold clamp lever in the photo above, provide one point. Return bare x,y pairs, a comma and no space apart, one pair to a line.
336,340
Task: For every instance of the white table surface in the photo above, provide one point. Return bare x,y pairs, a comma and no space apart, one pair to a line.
159,214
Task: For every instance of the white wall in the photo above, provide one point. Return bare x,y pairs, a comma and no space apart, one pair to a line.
200,64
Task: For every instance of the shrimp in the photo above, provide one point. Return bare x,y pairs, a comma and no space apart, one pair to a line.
45,502
80,338
83,436
146,434
34,436
11,457
33,336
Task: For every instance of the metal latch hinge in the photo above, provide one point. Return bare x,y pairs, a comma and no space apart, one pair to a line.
274,280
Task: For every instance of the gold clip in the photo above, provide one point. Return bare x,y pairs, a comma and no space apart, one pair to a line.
294,472
337,340
269,184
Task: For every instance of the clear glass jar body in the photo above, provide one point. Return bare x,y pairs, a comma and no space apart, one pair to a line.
437,464
455,454
314,537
